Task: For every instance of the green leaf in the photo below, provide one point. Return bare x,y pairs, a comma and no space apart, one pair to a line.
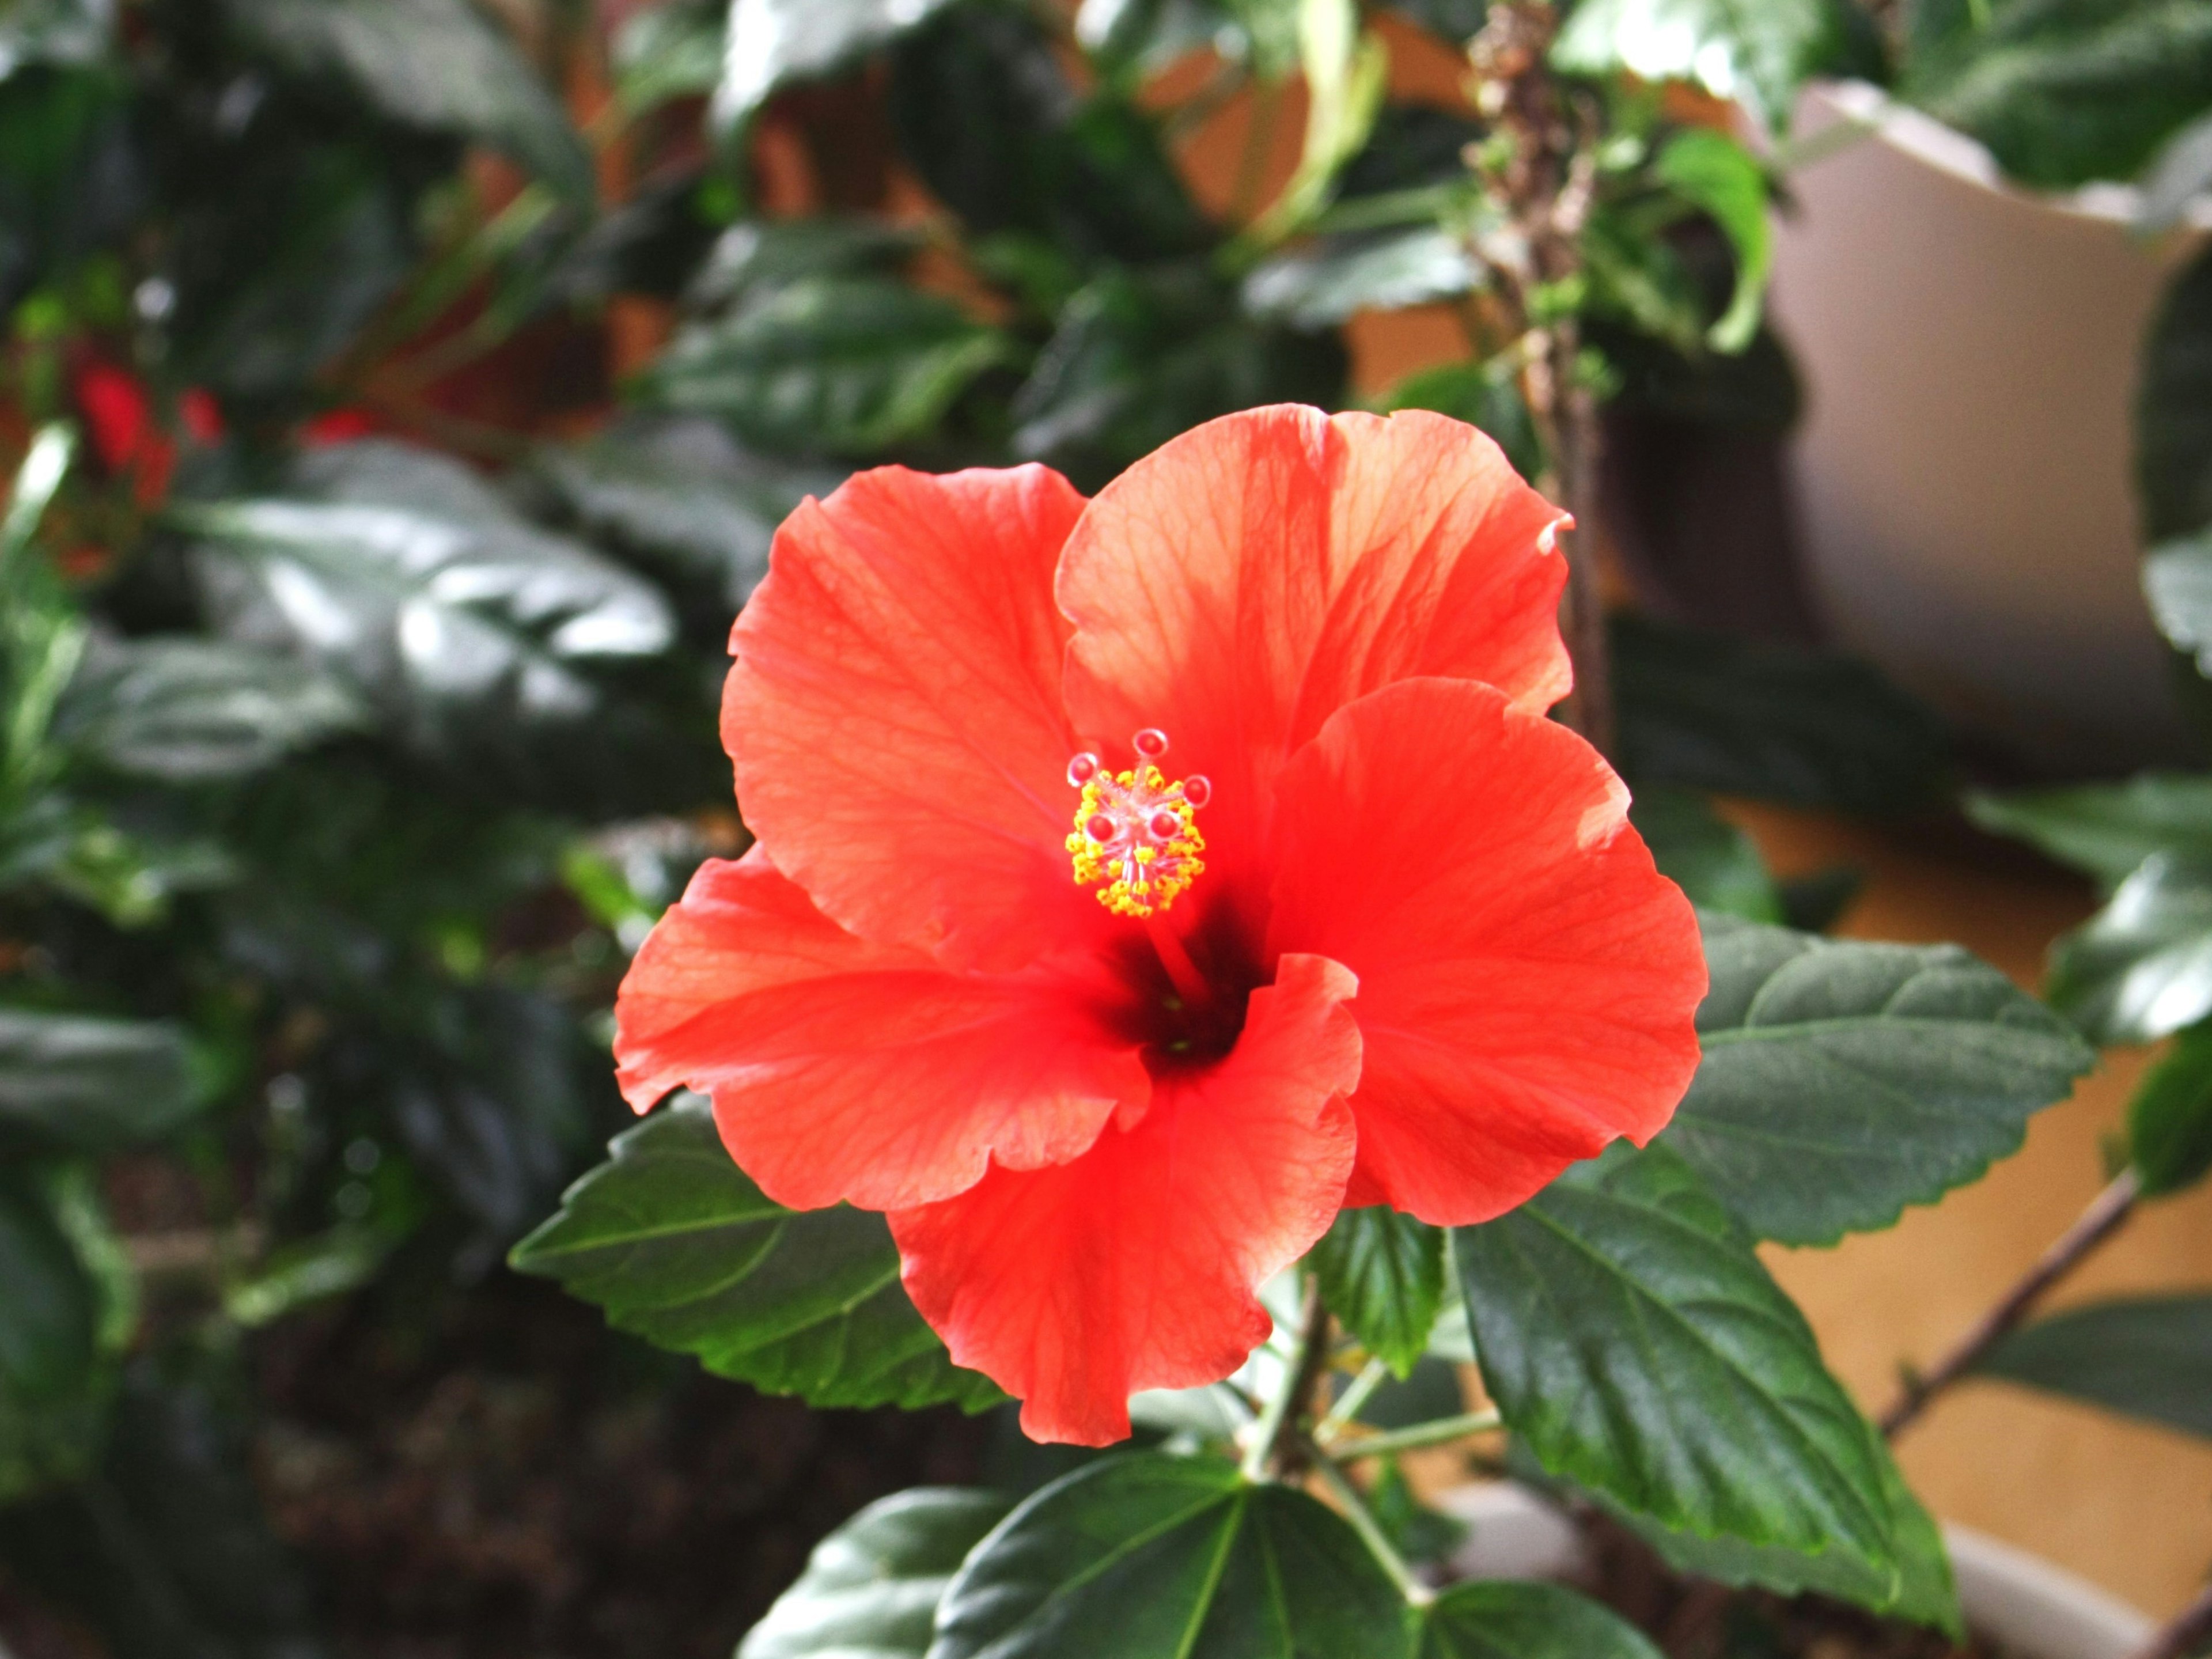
49,1329
1759,52
2176,581
2066,92
1382,1274
1151,1557
680,495
1633,1341
1921,1587
2181,171
1327,283
2170,1119
1710,859
1844,1081
1456,21
1738,717
679,1247
1712,171
1345,71
664,53
188,710
2173,409
436,64
93,1084
404,575
72,32
1511,1620
2147,1357
772,42
2106,829
2141,968
847,365
870,1589
1485,395
756,257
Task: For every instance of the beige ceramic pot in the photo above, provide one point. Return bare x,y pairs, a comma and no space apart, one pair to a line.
1964,470
2028,1605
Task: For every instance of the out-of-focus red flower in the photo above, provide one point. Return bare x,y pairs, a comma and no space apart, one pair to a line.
1374,929
118,417
338,426
201,414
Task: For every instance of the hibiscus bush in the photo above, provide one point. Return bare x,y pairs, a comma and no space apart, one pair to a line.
1200,973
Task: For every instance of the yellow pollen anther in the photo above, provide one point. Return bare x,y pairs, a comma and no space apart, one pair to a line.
1136,839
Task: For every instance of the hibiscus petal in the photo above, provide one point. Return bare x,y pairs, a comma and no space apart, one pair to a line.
895,712
845,1070
1134,1266
1528,982
1241,583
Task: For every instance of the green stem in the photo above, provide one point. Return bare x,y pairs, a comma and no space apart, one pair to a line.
1277,1433
1358,1394
1371,1534
1443,1432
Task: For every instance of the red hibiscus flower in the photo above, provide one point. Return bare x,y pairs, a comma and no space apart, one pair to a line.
1140,882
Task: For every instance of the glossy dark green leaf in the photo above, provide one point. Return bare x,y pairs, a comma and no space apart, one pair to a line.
1759,53
985,113
1150,1557
403,575
1382,1273
436,64
680,494
1707,857
755,256
2141,968
2173,409
1456,21
49,1330
872,1587
1483,396
2066,92
2170,1118
1843,1081
847,365
2176,581
772,42
91,1083
2106,829
1920,1589
1634,1342
188,710
2147,1357
1137,358
1329,283
1736,717
1512,1620
679,1247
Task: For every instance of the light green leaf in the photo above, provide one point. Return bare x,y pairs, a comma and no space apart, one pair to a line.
2149,1356
1151,1557
1382,1274
679,1246
844,365
1511,1620
664,53
437,65
1758,51
870,1589
1843,1081
2170,1119
2141,968
1633,1341
1711,171
1346,73
1710,859
188,710
1327,283
93,1084
2106,829
771,42
74,32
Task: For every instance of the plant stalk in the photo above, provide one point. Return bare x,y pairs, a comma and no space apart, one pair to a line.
2104,1216
2190,1632
1370,1533
1277,1451
1442,1432
1360,1391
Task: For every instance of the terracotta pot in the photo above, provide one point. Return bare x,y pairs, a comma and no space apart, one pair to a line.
2031,1607
1964,473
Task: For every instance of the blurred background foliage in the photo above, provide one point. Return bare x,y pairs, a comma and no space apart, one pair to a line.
400,397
